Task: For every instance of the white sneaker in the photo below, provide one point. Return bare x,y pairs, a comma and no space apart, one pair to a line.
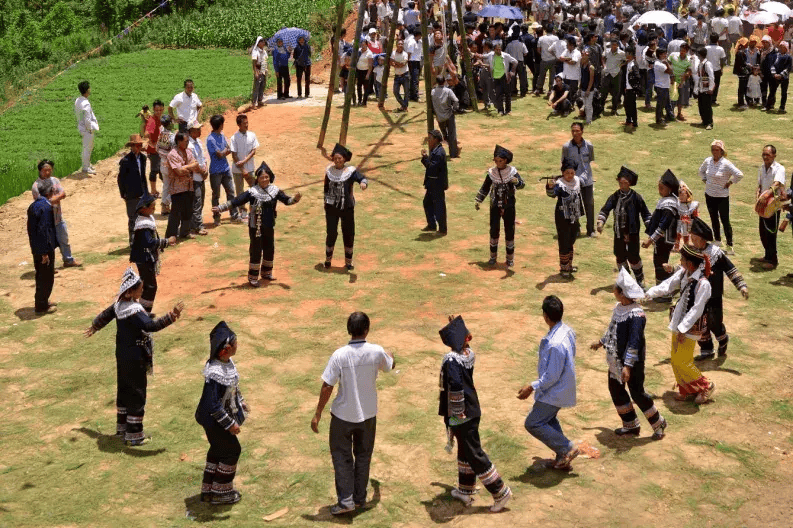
462,497
89,170
501,503
729,251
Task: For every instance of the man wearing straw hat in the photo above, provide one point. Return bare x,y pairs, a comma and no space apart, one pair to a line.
132,179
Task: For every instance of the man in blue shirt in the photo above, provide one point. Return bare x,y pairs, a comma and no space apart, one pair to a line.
219,170
555,385
41,234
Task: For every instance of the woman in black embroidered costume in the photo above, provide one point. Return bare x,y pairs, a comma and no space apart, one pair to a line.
221,412
625,355
630,214
134,354
569,208
459,406
145,251
263,197
662,227
340,203
500,183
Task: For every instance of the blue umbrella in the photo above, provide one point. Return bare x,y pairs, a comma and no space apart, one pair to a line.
289,36
500,11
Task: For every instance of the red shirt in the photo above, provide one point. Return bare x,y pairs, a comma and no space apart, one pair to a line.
153,131
776,32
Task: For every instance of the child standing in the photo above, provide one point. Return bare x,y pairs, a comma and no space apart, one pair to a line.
662,228
569,208
221,412
459,406
630,212
687,209
145,251
500,183
753,91
378,74
134,354
625,355
263,197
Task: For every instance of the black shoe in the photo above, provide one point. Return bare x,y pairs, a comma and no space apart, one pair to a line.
723,347
429,229
228,498
661,431
704,356
206,496
442,232
349,267
623,431
326,264
338,509
492,261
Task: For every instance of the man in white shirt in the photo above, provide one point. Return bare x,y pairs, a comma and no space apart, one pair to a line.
187,106
716,57
771,175
734,28
517,49
243,147
353,412
571,66
399,61
719,25
613,60
86,125
662,70
547,61
199,178
415,52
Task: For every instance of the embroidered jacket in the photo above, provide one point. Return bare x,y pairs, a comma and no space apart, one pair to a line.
624,338
458,394
569,203
663,223
695,292
263,203
499,184
133,326
629,210
720,265
146,243
338,186
221,400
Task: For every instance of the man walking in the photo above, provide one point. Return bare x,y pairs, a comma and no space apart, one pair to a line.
555,385
354,411
444,103
41,235
187,106
399,61
436,181
86,125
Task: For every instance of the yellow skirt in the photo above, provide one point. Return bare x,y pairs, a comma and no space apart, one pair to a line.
688,377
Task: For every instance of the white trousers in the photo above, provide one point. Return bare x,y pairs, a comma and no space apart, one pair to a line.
88,147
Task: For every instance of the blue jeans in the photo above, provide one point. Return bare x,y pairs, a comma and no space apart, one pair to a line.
541,423
62,235
402,85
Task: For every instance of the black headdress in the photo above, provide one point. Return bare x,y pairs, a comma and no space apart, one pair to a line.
219,337
628,174
701,229
265,168
670,180
454,335
145,200
501,152
339,149
568,163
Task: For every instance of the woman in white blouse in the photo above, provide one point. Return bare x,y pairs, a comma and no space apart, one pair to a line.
719,174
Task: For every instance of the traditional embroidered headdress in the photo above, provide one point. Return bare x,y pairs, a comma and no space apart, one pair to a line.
129,280
219,337
339,149
501,152
628,174
630,288
265,168
455,335
701,229
670,180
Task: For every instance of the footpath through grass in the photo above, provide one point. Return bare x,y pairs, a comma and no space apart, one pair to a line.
42,124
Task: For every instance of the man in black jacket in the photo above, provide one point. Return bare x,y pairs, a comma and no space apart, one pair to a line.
780,76
43,241
436,181
132,179
768,58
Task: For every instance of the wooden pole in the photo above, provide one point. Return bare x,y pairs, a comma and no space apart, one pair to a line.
427,66
469,71
345,116
334,68
388,51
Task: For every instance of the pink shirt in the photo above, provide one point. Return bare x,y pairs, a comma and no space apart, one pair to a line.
176,160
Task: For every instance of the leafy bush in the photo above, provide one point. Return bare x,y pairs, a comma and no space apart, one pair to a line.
60,21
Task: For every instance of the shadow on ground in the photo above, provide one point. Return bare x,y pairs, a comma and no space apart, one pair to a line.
113,444
324,515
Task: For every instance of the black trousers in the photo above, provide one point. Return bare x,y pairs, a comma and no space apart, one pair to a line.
181,215
764,90
524,82
508,214
567,234
132,215
351,448
148,274
627,252
768,231
262,252
221,465
362,86
473,462
435,208
502,94
715,318
773,84
332,217
705,106
719,208
45,280
742,84
415,71
622,399
660,257
283,81
301,72
588,197
631,116
130,397
716,84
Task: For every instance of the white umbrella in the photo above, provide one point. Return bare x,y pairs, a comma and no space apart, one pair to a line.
763,17
659,18
777,8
